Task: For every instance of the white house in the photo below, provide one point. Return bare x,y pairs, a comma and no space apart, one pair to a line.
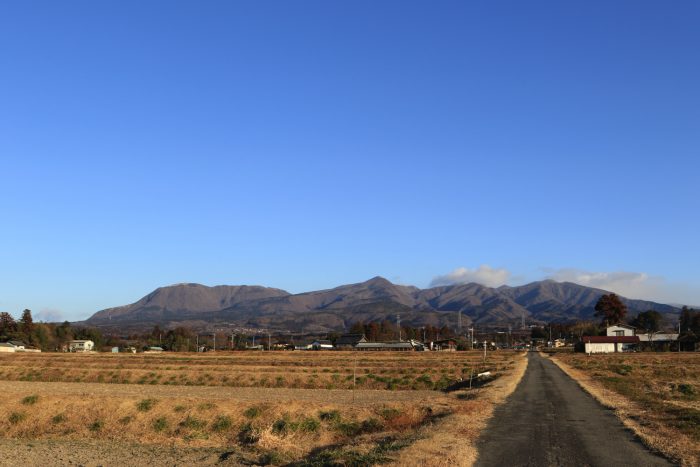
6,347
609,344
620,330
81,346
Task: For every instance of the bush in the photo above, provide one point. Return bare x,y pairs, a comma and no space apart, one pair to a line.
30,400
97,425
252,412
222,423
329,416
126,420
16,417
686,389
145,405
59,418
160,424
309,425
193,423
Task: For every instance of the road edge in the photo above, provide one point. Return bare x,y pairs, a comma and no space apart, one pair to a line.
452,440
626,411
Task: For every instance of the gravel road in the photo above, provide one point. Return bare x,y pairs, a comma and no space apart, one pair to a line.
550,421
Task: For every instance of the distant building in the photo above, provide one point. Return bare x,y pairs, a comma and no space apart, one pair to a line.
6,347
154,350
322,344
609,344
17,345
81,346
390,346
448,345
349,341
620,330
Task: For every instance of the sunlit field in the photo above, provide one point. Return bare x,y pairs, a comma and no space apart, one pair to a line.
263,407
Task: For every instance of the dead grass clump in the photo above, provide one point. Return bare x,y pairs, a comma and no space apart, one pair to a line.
145,405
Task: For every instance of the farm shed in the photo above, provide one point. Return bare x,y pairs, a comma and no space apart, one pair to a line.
609,344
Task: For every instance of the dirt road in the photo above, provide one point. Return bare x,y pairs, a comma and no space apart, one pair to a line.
550,421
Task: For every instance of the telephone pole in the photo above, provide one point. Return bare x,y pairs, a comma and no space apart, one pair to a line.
398,324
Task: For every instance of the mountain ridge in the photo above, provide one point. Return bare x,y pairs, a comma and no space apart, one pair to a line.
337,308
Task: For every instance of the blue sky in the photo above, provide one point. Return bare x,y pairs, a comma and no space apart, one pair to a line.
303,145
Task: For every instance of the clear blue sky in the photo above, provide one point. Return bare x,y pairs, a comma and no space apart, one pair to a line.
304,144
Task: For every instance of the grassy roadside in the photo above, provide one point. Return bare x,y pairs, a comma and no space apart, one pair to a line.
451,441
655,395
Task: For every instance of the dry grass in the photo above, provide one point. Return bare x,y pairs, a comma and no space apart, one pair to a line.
451,441
268,426
307,370
656,395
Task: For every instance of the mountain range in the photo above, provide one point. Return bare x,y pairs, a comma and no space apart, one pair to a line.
244,306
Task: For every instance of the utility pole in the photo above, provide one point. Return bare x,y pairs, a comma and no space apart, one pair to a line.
484,351
459,321
214,341
197,342
269,341
398,324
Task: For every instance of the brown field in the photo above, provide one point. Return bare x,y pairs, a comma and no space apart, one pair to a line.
277,408
656,394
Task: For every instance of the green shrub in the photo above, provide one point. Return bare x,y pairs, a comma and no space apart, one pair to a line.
193,423
59,418
145,405
686,389
97,425
160,424
221,423
329,416
30,400
280,426
309,425
389,413
179,408
252,412
16,417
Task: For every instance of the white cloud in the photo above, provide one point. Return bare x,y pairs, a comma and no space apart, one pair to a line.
48,315
638,285
484,275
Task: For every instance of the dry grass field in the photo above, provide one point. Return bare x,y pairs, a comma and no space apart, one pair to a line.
656,394
277,408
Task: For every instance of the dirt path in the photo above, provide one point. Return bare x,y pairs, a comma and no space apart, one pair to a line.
337,396
550,421
106,453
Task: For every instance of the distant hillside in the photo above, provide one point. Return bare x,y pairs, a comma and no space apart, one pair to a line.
373,300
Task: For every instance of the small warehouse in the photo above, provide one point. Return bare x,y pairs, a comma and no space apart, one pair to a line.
609,344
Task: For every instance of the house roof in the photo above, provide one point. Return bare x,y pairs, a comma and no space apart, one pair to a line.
322,342
350,339
611,339
16,343
621,326
6,344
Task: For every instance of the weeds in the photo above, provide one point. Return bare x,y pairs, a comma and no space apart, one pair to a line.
30,400
145,405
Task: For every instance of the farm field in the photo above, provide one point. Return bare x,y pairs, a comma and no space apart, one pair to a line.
657,394
276,408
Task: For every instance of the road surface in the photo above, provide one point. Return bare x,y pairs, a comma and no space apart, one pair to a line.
550,421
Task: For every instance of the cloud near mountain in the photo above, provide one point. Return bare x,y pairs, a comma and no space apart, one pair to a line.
484,274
